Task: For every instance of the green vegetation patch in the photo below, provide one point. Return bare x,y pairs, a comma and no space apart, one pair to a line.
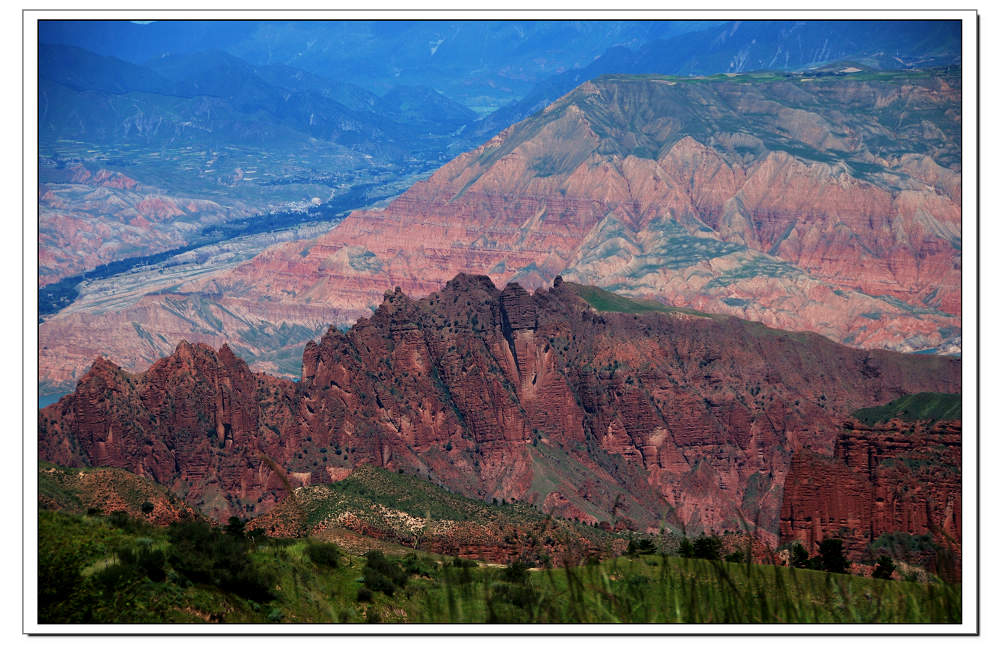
94,569
914,408
756,267
366,261
602,300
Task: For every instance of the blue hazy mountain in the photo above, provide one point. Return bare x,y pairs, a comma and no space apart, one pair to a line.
83,70
480,64
744,46
217,97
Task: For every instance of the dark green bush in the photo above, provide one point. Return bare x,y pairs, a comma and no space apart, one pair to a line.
145,562
707,547
235,526
120,519
884,568
831,551
378,582
640,547
382,574
206,556
800,557
511,603
414,565
515,573
325,555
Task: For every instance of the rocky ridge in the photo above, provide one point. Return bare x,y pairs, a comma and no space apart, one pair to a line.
670,418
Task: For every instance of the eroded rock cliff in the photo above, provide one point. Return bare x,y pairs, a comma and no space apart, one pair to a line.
645,419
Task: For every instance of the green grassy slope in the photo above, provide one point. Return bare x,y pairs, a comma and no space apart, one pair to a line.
405,510
914,408
106,490
602,300
86,576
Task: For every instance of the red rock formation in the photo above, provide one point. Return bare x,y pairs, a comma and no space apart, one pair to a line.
893,477
637,420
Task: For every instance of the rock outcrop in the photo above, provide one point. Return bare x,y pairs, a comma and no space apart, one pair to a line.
882,480
649,419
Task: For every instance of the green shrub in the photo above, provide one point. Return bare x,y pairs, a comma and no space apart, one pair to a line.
800,557
235,526
515,573
884,568
640,547
203,555
511,603
831,551
325,555
145,562
707,547
120,519
382,574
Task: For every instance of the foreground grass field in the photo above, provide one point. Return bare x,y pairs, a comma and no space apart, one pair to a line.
111,570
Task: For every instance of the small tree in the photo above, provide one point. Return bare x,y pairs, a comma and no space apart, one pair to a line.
516,572
708,547
884,568
235,526
147,507
831,551
641,546
800,557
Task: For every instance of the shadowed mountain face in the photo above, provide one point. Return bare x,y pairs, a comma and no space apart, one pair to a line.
663,416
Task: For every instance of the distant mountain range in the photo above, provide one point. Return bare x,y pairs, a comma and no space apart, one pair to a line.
746,46
212,98
823,202
481,64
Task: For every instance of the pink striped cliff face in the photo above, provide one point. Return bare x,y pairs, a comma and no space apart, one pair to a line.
823,205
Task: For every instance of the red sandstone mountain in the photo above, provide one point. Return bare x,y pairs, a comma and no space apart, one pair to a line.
827,204
882,480
665,417
768,199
